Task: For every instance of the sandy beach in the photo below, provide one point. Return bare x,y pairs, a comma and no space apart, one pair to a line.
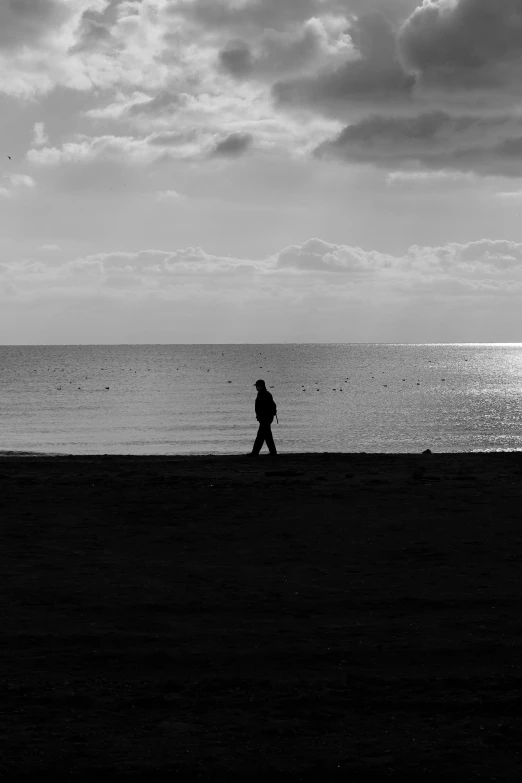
313,617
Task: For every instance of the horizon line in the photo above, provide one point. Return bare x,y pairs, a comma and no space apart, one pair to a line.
286,342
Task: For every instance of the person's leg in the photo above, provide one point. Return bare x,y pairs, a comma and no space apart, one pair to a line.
260,439
270,440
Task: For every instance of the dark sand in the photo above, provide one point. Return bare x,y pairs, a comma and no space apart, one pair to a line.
344,618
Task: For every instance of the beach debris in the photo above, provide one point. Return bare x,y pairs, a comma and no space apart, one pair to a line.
427,452
107,387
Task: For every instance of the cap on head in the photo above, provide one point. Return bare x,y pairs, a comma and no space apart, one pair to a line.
260,383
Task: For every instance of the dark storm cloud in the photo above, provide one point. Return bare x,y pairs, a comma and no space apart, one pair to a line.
236,58
395,10
277,40
275,52
233,145
25,22
278,14
376,76
468,43
437,140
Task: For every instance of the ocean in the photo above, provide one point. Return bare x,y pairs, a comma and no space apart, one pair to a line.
199,399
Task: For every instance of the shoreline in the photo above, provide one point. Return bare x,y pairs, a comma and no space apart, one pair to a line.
230,617
283,455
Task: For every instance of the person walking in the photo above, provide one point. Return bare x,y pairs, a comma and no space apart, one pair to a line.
266,409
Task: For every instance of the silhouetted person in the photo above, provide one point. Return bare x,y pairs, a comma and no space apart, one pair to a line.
266,409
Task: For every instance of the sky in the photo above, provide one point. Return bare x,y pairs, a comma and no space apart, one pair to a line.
234,171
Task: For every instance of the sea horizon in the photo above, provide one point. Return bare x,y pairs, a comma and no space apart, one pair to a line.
286,342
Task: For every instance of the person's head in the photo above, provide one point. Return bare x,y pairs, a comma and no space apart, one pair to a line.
260,385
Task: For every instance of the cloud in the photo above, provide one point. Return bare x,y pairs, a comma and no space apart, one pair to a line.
237,58
159,264
319,256
21,181
168,195
40,137
510,194
88,149
15,182
130,153
485,145
92,35
373,76
315,274
192,79
447,77
233,145
79,44
473,260
164,102
319,42
395,178
23,23
173,138
464,44
243,17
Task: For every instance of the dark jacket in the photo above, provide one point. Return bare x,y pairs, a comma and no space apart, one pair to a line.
266,408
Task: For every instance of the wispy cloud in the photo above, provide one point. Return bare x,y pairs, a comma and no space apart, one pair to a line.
426,177
169,195
21,181
510,194
15,183
40,137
